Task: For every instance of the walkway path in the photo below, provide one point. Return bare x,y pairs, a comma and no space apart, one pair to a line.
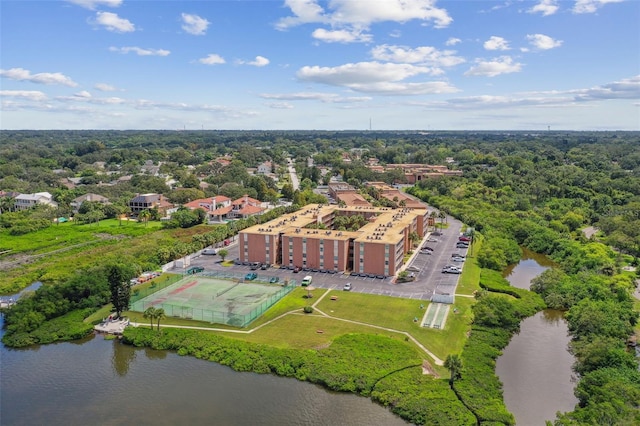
437,360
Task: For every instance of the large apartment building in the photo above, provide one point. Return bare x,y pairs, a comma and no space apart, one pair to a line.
306,238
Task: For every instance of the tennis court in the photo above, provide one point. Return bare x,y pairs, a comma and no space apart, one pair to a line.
214,300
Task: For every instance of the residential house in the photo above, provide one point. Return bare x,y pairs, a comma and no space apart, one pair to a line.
77,202
264,168
149,201
26,201
246,206
218,208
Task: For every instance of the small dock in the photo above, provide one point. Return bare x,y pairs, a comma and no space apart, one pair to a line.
111,326
5,304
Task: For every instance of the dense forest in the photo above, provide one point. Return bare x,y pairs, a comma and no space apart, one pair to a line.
520,189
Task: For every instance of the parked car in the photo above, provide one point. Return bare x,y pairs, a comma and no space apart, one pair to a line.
251,276
458,255
210,251
427,248
458,259
264,266
274,280
433,240
306,281
436,233
254,266
451,269
296,269
463,238
347,287
462,245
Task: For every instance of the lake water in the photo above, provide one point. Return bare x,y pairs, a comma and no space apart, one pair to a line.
103,382
535,368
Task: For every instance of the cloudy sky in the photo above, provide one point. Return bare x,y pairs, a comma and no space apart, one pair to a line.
310,64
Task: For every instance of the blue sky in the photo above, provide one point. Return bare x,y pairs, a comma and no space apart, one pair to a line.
307,64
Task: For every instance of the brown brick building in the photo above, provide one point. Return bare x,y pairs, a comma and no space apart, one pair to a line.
306,238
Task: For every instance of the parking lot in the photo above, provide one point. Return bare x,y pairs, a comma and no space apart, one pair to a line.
427,268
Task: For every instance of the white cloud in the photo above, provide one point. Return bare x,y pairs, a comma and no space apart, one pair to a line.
426,55
104,87
628,88
112,22
375,77
543,42
140,51
260,61
32,95
341,36
496,43
20,74
212,59
495,67
194,24
92,4
83,94
316,96
545,7
361,14
280,105
452,41
591,6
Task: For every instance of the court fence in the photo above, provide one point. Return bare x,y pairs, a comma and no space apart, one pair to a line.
209,315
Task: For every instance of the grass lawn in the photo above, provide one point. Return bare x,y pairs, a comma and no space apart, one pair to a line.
398,314
301,331
470,277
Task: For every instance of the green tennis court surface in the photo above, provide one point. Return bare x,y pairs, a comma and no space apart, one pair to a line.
214,300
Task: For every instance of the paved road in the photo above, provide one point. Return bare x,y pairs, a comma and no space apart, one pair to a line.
295,182
428,270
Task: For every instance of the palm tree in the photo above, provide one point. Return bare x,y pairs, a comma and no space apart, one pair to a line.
144,216
433,215
7,204
442,216
159,316
454,364
150,313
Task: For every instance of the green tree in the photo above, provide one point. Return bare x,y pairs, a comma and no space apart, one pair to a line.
118,278
223,253
160,315
453,363
144,216
150,314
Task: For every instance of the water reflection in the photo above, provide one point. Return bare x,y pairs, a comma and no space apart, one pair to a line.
535,367
123,356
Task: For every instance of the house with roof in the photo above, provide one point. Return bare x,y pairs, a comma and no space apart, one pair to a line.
245,207
149,201
264,168
26,201
94,198
218,208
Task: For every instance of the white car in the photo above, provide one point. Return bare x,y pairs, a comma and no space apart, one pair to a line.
210,251
347,287
433,240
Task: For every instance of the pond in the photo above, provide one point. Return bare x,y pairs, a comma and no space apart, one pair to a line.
535,368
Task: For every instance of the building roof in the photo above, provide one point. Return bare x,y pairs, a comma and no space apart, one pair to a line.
90,197
246,199
221,211
386,225
352,199
250,210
